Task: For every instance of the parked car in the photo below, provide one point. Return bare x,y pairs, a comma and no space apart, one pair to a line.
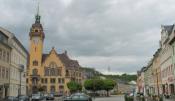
50,97
58,94
129,96
78,97
37,97
10,98
23,98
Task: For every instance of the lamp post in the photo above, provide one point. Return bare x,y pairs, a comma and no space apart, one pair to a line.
21,69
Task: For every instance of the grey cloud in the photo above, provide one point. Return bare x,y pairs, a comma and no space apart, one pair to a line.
94,29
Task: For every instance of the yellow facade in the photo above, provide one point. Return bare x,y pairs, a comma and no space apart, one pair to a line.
51,71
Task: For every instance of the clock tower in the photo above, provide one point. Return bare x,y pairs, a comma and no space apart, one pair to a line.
35,52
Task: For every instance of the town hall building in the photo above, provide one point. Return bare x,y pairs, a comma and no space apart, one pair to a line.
49,72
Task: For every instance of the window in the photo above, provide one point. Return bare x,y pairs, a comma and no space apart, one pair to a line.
52,89
3,72
27,80
3,37
36,30
47,71
52,65
63,80
67,73
42,80
0,72
0,53
59,80
7,73
4,54
8,57
35,72
52,80
59,72
52,72
35,63
45,80
79,74
61,87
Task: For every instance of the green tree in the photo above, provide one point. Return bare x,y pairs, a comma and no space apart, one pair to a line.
108,85
93,84
74,86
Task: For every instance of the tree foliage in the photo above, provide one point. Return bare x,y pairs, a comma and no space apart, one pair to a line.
93,84
74,86
99,84
109,85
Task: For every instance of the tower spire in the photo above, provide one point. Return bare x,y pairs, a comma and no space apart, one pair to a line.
37,17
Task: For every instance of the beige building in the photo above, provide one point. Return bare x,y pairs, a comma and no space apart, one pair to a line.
156,73
51,71
148,79
166,60
18,61
5,50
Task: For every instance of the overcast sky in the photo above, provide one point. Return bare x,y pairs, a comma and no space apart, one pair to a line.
120,34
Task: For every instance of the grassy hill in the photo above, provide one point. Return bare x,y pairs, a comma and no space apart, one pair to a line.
123,77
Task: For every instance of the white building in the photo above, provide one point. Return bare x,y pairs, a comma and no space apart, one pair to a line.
166,61
18,61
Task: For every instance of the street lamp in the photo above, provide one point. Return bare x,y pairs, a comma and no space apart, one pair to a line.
21,69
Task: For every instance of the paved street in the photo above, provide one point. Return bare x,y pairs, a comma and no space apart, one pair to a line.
111,98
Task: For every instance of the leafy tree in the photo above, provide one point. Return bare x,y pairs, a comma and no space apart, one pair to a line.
93,84
74,86
108,85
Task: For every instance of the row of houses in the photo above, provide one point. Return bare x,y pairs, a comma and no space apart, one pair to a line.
158,76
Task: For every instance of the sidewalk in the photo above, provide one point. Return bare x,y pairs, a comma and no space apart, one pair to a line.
149,99
169,100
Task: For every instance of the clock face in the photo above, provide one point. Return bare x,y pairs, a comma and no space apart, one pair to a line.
35,40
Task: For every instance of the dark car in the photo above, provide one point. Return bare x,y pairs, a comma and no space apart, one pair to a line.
50,97
78,97
129,96
10,98
23,98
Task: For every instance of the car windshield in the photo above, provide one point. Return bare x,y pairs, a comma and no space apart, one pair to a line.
22,97
79,95
75,97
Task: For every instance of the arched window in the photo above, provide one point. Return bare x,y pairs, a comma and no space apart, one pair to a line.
53,65
52,72
58,72
35,63
47,71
